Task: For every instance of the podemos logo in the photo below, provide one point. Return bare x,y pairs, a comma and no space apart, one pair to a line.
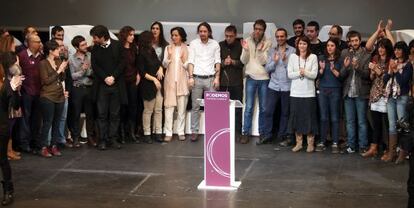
217,95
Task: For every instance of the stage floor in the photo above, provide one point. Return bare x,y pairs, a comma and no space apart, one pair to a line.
167,175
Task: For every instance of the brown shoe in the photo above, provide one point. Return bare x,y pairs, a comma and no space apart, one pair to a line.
244,139
311,143
372,151
299,143
92,142
392,147
11,155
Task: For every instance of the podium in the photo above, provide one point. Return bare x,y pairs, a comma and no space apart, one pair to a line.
219,141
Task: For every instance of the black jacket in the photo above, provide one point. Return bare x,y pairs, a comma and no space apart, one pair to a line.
231,75
8,98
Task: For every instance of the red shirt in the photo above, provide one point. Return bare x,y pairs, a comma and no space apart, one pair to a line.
30,69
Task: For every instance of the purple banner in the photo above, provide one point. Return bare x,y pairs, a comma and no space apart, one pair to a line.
217,138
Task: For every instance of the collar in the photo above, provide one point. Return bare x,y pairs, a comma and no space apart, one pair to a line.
106,44
29,53
75,55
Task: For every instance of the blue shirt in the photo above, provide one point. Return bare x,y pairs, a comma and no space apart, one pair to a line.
328,79
279,80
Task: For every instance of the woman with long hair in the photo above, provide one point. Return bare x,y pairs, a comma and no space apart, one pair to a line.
175,83
377,100
330,94
7,45
158,43
152,75
397,80
132,79
303,118
9,101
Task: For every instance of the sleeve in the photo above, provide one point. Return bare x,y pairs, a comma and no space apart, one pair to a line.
119,70
166,61
73,72
191,54
404,78
314,68
263,54
292,74
271,65
363,68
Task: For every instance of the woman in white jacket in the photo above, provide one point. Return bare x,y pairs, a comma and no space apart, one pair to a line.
302,70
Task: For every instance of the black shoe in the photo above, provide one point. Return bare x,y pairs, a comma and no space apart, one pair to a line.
116,145
287,141
7,193
102,146
264,140
147,139
158,138
244,139
26,149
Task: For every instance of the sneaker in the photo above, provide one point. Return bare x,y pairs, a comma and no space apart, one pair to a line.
320,147
335,149
55,151
350,150
45,152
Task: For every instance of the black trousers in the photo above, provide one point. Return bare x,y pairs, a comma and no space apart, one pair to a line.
29,125
4,162
81,101
109,105
236,93
379,122
410,183
129,112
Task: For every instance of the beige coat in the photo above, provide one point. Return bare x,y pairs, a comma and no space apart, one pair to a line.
172,89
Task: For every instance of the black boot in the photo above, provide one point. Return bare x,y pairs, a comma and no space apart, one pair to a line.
7,193
131,133
122,133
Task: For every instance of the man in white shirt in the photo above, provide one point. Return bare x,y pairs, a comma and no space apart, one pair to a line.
204,71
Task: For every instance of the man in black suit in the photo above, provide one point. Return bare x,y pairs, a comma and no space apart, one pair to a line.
109,84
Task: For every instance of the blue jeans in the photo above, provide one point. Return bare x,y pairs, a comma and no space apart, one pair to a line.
272,98
396,111
253,86
329,103
51,114
356,110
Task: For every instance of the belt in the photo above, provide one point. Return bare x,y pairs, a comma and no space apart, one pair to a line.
203,76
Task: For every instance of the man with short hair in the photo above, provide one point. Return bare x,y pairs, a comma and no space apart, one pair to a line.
204,71
110,91
356,89
298,30
336,31
27,31
58,32
29,129
312,31
81,93
254,56
231,73
278,90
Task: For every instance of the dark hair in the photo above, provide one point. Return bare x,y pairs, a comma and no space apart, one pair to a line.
231,28
304,39
260,22
124,33
352,34
314,24
299,22
282,29
50,45
5,43
56,29
337,53
161,40
145,42
338,28
387,44
411,44
210,31
7,60
404,48
3,30
100,31
77,40
181,32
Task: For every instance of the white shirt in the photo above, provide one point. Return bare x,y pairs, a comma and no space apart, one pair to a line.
29,53
204,56
302,87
